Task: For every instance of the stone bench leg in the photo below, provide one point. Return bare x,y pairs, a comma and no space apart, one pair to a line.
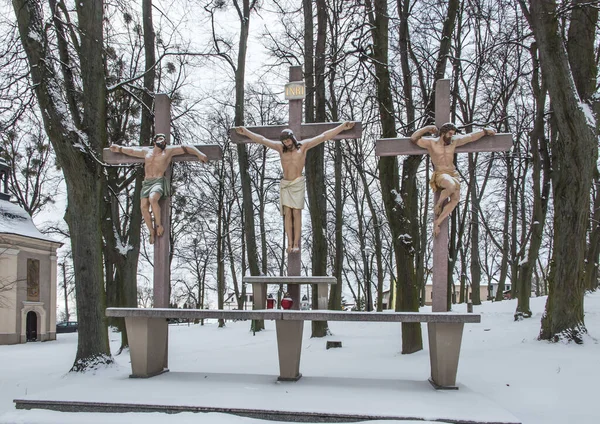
259,296
444,350
148,345
322,293
289,346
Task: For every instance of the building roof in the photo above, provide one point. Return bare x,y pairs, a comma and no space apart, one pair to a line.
14,220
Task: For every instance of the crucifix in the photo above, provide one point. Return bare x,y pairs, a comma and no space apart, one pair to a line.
285,139
127,155
485,141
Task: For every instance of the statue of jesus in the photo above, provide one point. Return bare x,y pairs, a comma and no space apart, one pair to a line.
155,186
445,178
293,157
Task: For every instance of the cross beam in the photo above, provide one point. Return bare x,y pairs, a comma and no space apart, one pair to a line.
403,146
212,152
306,131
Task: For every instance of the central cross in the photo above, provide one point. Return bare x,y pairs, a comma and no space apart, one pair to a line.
295,93
404,146
162,123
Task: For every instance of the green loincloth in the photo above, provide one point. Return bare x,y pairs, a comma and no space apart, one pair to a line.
160,185
292,194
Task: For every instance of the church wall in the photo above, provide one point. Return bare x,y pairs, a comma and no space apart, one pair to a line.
46,328
9,330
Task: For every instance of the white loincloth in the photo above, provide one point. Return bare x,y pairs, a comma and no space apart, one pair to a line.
291,194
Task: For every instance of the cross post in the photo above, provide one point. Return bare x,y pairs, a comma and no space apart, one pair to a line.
162,272
404,146
295,92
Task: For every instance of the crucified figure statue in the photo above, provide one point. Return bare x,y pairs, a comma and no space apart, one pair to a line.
156,185
445,178
293,158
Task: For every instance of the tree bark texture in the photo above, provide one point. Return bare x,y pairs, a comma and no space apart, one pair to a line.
393,199
244,7
541,194
574,160
581,50
315,169
83,176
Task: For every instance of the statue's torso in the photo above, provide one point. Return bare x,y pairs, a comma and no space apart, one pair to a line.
292,163
156,163
442,155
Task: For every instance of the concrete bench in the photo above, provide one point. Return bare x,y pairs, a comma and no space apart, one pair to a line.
147,330
260,282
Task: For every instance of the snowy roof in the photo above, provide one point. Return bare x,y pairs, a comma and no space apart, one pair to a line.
14,220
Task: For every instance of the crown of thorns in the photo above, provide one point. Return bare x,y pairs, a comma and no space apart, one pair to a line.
285,134
157,136
448,126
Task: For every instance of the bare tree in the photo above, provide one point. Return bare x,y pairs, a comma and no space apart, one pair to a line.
573,161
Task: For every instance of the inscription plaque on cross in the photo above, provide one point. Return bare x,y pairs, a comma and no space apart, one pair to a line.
295,91
162,123
404,146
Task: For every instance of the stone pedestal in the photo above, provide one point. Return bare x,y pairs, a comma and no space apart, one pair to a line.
148,344
444,350
289,346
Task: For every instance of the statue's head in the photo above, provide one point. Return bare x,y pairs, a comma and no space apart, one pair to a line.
447,131
449,126
160,141
288,139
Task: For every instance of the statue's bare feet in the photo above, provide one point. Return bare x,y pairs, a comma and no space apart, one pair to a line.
151,237
437,210
160,230
289,249
436,229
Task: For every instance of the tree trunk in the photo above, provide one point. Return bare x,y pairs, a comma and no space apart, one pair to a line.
506,234
315,170
581,50
574,160
410,258
593,250
541,194
83,176
221,284
127,266
247,202
407,290
335,291
475,293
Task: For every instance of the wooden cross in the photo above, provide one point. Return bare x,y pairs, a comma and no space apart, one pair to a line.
295,91
403,146
162,272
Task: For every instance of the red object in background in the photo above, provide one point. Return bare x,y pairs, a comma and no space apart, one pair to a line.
286,303
270,303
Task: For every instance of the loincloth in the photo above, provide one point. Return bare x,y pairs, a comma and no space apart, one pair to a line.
291,194
160,185
438,176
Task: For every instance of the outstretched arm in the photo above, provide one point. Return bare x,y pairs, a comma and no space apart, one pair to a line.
417,137
327,135
259,138
180,150
138,152
474,136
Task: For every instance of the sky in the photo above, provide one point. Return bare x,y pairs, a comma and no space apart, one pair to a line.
505,374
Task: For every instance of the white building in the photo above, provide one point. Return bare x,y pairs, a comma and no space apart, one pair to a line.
27,274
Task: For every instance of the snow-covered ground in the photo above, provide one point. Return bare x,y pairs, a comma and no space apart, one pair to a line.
502,367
